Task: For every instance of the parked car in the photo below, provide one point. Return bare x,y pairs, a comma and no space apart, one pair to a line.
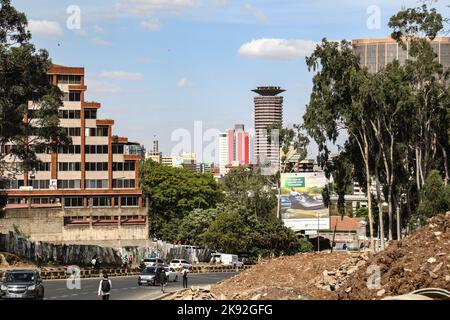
148,276
171,274
180,264
22,284
152,262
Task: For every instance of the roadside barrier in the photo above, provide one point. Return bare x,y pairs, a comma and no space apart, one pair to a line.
61,273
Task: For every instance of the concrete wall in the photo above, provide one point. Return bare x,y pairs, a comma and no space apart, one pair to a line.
63,254
47,225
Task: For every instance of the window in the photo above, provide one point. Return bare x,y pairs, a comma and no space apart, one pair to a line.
13,184
39,184
74,96
131,201
123,183
73,132
73,149
69,184
101,202
43,166
90,113
117,148
69,166
96,184
96,149
69,79
96,166
97,132
124,166
69,114
73,202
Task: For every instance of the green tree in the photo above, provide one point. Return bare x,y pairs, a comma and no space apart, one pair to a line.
339,100
173,193
228,233
435,198
195,224
23,78
246,188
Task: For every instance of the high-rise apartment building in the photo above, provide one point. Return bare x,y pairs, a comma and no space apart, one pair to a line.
97,170
238,146
223,153
377,53
154,155
268,114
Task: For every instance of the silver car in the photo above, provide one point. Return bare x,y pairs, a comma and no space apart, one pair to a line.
22,284
171,274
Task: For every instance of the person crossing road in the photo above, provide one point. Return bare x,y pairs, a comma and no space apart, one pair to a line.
185,277
104,288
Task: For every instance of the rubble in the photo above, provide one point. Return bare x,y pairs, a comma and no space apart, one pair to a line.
421,260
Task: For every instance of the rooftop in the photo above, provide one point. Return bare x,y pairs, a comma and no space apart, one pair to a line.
268,91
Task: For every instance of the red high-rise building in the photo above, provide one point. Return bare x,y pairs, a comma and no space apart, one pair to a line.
238,146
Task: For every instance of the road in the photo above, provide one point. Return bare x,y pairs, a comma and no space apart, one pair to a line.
124,288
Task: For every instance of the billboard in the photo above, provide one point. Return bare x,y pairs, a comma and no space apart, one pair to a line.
302,206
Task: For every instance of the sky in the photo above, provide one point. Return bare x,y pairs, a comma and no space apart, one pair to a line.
160,66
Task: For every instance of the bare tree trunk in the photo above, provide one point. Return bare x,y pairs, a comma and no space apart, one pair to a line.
444,154
419,185
399,233
390,205
369,195
380,206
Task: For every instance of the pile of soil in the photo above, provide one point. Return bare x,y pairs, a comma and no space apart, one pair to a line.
419,261
284,278
12,261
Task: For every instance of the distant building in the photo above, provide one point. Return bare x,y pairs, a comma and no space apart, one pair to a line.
268,114
207,167
223,153
154,155
346,230
377,53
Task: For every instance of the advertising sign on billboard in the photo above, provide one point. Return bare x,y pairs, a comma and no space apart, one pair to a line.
302,206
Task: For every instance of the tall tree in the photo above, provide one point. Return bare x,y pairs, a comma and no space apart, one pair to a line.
339,102
23,77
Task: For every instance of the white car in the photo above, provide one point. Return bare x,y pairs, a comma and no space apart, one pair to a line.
152,262
171,274
180,264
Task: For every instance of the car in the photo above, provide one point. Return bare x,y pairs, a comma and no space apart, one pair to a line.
304,201
22,284
171,274
152,262
180,264
148,276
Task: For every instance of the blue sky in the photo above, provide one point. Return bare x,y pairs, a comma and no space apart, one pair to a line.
159,65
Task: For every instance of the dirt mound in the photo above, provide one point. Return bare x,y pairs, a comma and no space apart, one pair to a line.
421,260
283,278
12,261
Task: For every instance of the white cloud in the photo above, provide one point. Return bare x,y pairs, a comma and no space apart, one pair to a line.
152,6
261,17
81,32
184,82
121,75
45,28
151,25
101,42
98,29
102,87
277,49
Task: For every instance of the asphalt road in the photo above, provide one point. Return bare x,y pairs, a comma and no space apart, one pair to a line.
125,288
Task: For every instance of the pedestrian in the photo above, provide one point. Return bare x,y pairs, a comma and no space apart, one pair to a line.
185,277
94,261
39,261
104,288
161,278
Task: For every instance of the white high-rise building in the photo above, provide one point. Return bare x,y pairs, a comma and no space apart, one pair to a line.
223,153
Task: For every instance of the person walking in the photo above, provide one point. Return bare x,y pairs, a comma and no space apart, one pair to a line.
185,277
104,288
161,278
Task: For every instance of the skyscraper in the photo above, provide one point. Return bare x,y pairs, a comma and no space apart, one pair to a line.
223,153
268,114
238,146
